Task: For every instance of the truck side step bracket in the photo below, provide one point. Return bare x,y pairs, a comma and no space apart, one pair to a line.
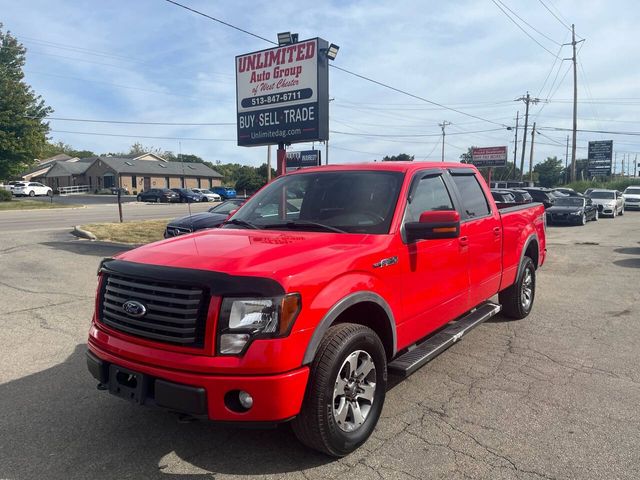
409,362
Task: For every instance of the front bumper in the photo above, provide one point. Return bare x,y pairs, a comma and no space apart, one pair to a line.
276,398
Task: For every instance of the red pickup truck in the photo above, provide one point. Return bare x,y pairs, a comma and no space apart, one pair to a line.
324,281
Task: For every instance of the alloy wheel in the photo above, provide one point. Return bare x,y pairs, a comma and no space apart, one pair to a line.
354,391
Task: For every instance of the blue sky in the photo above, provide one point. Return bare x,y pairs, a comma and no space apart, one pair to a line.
150,61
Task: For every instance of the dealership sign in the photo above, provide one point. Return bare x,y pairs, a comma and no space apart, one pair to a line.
303,159
283,94
489,156
600,156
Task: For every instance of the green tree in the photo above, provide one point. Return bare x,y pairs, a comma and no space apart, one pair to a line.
549,172
248,180
23,129
51,149
403,157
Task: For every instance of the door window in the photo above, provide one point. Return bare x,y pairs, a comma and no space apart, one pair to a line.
474,202
430,194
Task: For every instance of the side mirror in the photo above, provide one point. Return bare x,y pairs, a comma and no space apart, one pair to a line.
433,225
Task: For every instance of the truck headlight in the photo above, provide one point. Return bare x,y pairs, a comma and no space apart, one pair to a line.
243,320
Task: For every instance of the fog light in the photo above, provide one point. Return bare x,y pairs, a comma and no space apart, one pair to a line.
246,400
232,343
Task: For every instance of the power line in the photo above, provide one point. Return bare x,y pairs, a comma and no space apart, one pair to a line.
88,120
220,21
555,16
525,32
529,25
607,132
145,136
413,135
363,77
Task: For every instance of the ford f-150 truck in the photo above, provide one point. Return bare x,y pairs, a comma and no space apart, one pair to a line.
324,281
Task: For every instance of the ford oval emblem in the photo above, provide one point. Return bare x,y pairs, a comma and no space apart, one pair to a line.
135,309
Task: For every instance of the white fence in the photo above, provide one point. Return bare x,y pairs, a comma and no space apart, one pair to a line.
74,190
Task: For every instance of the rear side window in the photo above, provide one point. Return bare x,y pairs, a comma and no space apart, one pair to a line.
473,200
430,194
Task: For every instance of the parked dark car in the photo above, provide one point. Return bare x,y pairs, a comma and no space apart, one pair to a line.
503,198
572,210
541,195
188,196
570,192
158,195
522,196
212,218
224,192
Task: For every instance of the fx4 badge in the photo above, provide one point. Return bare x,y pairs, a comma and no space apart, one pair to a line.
385,262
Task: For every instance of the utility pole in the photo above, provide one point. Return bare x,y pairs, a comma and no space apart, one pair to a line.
527,100
575,99
443,125
533,137
635,166
566,163
515,146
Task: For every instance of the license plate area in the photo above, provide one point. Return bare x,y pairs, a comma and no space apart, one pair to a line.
127,384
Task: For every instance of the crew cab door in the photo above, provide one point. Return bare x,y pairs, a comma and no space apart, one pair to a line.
481,232
435,275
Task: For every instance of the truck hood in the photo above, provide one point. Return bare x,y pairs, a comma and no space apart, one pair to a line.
281,255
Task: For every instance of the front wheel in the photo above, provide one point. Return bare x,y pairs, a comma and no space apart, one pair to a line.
622,211
583,220
517,300
32,193
139,198
595,216
346,391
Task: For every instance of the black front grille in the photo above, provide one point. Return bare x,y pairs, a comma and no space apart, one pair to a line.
174,313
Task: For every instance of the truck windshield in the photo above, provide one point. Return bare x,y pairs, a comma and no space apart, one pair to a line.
335,201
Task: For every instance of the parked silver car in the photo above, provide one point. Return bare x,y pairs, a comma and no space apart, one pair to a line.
632,197
609,202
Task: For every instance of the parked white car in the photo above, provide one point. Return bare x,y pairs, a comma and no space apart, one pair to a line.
210,196
609,202
632,197
30,189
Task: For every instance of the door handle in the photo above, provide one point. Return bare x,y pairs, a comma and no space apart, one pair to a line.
496,231
464,241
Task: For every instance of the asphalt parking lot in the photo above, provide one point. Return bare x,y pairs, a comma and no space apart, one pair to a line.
553,396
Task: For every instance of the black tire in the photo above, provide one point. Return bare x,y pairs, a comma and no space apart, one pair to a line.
32,193
583,219
139,198
512,298
316,425
595,216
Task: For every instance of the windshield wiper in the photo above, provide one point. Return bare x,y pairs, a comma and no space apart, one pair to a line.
242,223
304,223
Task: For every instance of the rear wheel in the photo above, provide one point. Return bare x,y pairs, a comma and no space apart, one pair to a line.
346,391
517,300
32,193
595,216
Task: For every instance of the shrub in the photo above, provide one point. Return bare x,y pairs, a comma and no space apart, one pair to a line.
5,195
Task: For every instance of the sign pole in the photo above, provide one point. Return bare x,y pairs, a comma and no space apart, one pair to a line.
489,177
282,158
268,163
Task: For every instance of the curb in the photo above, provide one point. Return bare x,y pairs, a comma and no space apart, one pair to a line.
78,232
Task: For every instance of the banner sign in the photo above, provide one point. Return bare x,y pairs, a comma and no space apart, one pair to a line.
600,156
303,159
489,156
282,94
